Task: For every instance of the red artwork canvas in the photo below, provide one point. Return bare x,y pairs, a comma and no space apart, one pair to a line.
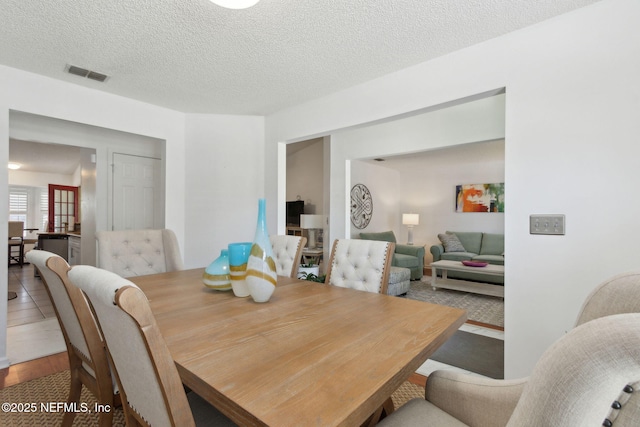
480,197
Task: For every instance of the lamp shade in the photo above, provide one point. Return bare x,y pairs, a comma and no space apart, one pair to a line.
311,221
410,219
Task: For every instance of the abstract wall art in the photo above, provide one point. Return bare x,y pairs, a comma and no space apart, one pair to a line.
480,197
361,206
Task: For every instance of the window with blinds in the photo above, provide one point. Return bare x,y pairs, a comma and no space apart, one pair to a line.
29,205
18,204
44,210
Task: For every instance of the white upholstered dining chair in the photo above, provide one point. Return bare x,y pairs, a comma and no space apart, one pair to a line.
88,364
591,376
152,393
287,251
363,265
619,294
360,264
130,253
616,295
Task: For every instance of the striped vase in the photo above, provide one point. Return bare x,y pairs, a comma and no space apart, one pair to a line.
261,267
216,275
238,258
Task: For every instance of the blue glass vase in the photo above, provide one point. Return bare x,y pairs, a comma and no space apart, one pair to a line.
216,275
261,267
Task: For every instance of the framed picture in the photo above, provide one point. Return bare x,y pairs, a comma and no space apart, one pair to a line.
480,197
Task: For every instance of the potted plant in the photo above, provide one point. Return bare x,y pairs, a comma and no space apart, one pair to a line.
313,278
307,269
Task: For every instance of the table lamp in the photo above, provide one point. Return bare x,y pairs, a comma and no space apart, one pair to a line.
311,223
410,220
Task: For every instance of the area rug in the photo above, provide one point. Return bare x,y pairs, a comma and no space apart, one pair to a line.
405,393
54,388
51,388
480,308
472,352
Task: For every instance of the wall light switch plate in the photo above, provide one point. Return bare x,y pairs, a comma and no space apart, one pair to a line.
546,224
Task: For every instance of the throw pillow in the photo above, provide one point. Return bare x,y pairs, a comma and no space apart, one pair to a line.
451,243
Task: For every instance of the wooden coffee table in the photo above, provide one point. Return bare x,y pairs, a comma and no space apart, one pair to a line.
466,285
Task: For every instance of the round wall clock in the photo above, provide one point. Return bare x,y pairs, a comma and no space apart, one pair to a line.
361,206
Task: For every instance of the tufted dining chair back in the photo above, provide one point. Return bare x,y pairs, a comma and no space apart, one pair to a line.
360,264
590,376
287,251
152,392
130,253
619,294
88,364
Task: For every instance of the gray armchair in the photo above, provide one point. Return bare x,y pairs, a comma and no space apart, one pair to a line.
590,376
407,256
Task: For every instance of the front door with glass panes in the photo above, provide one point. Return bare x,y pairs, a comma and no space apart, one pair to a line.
63,207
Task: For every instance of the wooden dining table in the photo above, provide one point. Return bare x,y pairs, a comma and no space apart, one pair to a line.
315,354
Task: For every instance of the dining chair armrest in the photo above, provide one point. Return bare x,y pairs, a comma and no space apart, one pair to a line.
476,401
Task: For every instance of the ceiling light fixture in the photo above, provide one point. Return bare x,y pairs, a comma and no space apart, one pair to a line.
14,166
235,4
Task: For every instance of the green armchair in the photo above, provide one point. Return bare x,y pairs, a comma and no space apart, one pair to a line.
407,256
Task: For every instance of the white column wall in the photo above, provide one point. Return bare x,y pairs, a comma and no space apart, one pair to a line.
225,170
572,102
31,93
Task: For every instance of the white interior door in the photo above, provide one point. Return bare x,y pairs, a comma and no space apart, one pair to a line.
137,193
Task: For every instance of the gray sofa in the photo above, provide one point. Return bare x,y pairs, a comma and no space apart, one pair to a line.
487,247
407,256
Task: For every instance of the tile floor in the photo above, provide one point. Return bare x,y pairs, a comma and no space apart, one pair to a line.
34,340
33,303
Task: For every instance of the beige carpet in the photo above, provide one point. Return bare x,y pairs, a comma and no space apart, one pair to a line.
55,387
52,388
480,308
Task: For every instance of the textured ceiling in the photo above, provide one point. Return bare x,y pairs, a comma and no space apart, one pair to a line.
194,56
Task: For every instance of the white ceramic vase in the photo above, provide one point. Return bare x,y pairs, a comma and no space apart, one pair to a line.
261,267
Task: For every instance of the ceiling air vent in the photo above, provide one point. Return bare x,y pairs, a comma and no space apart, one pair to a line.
83,72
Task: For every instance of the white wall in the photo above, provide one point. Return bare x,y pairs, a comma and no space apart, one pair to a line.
37,95
225,169
428,188
39,179
224,181
571,130
478,120
424,183
385,186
